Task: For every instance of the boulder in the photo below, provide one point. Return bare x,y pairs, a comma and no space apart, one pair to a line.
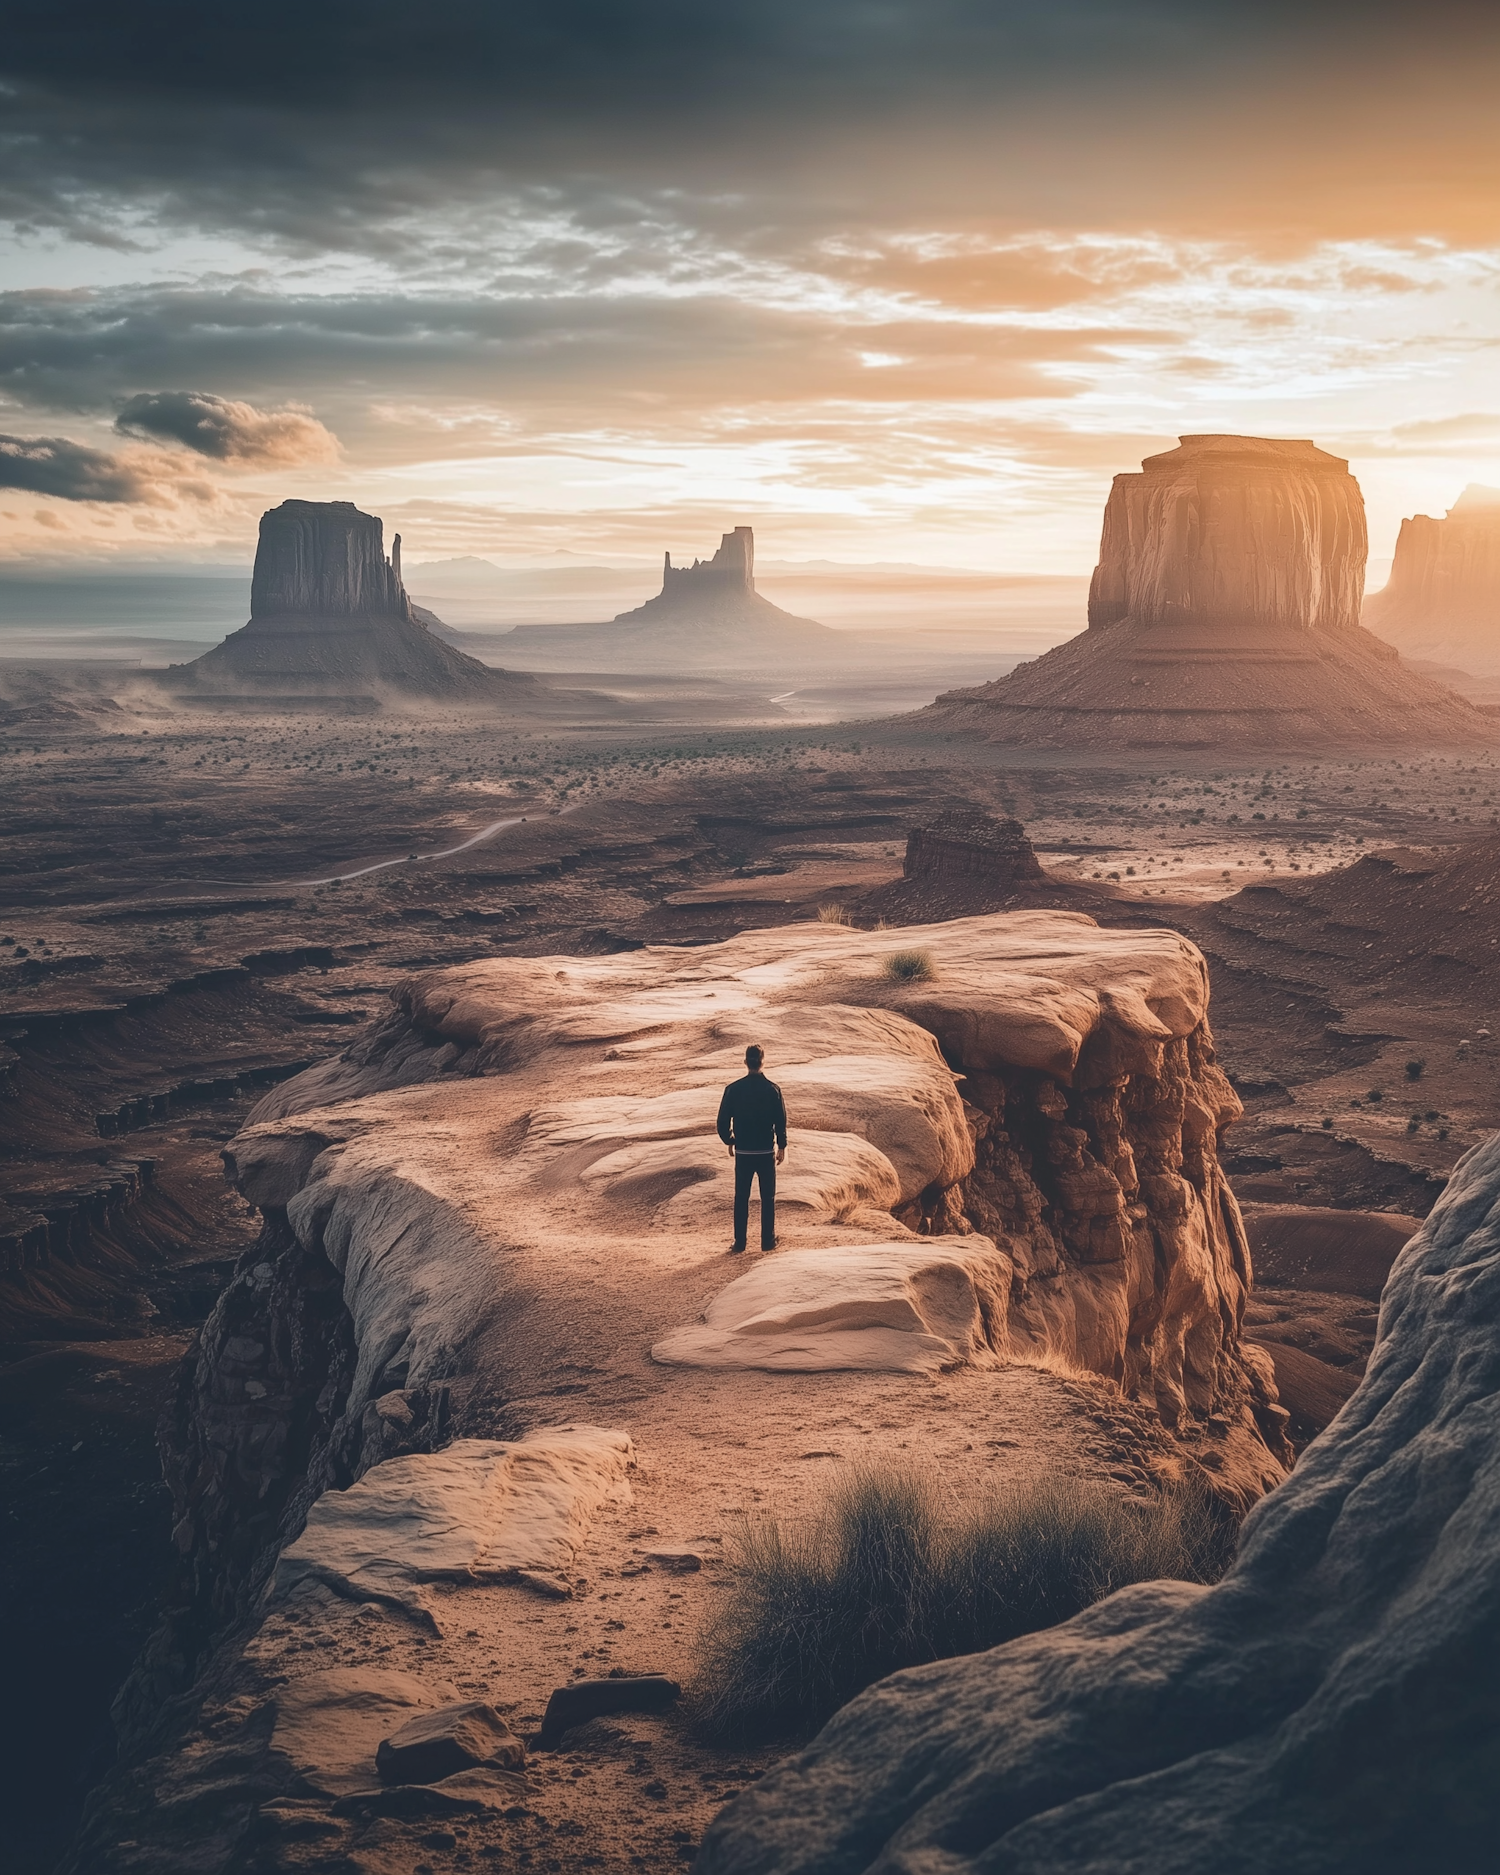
903,1308
457,1737
1332,1706
480,1510
583,1700
677,1557
329,1724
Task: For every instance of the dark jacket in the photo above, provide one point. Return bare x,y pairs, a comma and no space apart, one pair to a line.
751,1114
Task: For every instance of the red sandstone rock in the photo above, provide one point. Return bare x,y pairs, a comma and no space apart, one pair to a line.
967,845
1442,601
1224,611
330,620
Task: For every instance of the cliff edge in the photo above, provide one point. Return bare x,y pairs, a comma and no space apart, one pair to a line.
1329,1707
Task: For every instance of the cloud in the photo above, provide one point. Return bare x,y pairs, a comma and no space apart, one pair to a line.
227,431
52,465
318,127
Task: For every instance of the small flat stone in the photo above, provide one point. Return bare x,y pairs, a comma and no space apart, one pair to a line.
591,1699
676,1556
464,1794
458,1737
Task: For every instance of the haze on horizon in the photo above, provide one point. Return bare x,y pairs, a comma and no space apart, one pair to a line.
905,282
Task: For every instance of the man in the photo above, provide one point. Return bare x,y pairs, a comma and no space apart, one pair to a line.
752,1124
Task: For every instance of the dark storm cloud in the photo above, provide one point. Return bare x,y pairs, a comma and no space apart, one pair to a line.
629,59
318,123
226,430
52,465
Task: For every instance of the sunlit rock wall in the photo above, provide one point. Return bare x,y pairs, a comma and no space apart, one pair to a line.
1443,596
1233,530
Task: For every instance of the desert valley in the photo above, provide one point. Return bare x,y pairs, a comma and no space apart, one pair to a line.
365,1007
750,939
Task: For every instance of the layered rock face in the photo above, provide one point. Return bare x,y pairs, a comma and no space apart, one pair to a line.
969,845
1442,601
327,560
1233,530
331,623
1224,611
731,570
1329,1707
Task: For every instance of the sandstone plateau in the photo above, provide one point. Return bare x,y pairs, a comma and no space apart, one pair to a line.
1224,611
1442,601
489,1330
331,626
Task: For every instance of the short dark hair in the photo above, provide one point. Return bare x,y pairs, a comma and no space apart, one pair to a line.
754,1055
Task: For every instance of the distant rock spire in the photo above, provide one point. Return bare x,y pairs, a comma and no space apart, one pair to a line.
732,569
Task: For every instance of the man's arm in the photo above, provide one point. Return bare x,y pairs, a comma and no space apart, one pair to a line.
780,1122
726,1119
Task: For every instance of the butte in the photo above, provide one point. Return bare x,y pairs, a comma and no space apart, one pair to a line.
1224,613
1442,601
711,608
332,628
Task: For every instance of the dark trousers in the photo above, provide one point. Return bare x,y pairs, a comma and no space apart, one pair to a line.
761,1165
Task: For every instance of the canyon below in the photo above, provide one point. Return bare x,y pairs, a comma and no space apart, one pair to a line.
190,936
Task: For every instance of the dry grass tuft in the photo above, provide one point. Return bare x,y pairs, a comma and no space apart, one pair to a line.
834,914
884,1580
910,967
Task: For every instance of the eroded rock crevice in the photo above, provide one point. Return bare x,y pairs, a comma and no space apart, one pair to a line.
1128,1252
263,1419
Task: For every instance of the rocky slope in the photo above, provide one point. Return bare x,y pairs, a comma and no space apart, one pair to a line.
1329,1706
497,1222
1442,601
1223,612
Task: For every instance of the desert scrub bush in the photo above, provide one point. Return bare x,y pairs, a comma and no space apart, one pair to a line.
834,914
891,1576
910,967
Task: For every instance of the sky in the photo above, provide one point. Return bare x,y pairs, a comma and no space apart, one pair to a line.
889,280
